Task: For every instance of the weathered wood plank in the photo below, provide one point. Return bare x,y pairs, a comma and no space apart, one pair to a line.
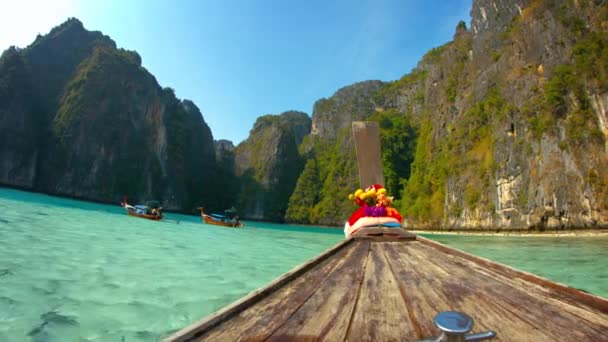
366,135
383,234
367,290
514,309
452,291
550,296
261,311
563,292
380,313
533,303
418,288
327,313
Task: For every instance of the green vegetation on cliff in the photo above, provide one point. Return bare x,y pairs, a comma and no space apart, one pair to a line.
423,193
335,162
566,92
268,164
102,128
504,125
466,152
305,195
92,73
398,139
339,175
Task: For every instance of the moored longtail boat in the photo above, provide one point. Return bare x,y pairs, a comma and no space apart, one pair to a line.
385,284
221,220
143,211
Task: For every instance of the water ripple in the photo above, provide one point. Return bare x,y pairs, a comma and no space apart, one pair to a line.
89,272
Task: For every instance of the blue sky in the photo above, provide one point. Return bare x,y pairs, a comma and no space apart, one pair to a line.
238,60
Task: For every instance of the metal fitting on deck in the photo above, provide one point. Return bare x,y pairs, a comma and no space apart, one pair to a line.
454,327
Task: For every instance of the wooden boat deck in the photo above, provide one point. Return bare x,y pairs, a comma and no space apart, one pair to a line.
389,288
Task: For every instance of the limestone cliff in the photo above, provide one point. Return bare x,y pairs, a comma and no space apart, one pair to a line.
20,127
352,103
226,178
505,127
268,164
512,126
331,172
82,118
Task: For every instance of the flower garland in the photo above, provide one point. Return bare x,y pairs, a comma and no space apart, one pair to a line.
374,202
375,195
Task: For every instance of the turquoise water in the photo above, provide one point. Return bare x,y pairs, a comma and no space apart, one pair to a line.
581,262
79,271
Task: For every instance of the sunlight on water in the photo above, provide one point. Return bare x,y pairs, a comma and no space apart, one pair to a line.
72,270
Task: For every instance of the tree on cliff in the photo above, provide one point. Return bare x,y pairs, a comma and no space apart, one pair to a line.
305,195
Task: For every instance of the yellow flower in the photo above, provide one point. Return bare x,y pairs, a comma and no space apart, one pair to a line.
362,196
382,191
351,197
358,192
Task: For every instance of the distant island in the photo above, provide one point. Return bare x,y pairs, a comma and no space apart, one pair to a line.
504,128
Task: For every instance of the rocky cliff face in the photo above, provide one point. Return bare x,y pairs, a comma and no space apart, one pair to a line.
512,129
226,178
84,119
352,103
223,149
17,144
268,164
330,172
505,125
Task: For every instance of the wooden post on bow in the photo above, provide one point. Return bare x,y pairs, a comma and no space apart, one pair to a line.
366,135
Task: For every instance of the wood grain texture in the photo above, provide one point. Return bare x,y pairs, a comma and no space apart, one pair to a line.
260,321
366,135
272,297
516,310
381,314
327,314
418,287
391,290
564,292
383,234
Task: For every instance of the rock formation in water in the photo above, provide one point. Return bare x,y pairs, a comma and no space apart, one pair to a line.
81,118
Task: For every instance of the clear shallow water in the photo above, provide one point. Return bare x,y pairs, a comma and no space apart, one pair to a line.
580,262
79,271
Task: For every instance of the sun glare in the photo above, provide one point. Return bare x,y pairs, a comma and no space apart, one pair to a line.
21,21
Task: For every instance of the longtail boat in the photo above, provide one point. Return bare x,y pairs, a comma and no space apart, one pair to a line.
143,211
221,220
386,284
389,285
